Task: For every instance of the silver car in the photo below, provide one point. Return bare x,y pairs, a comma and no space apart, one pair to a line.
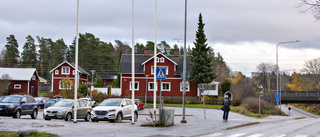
64,109
114,109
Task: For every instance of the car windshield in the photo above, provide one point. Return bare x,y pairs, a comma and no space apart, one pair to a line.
51,101
111,102
63,104
12,99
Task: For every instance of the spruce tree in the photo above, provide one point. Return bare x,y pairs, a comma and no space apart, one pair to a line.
29,54
12,53
201,70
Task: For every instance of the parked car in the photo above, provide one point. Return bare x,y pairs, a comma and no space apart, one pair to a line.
139,103
2,97
51,102
88,100
41,101
17,105
64,109
114,109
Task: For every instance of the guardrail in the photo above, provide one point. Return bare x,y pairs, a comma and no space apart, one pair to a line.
300,97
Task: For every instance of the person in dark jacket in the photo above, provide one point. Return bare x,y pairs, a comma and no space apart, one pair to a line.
226,107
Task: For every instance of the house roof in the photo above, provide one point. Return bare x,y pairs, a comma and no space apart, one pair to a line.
23,74
43,79
157,56
108,76
140,60
72,65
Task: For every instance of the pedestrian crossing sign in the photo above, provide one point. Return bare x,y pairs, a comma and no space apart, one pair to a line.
161,73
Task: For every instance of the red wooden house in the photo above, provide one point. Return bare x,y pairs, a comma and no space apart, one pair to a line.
22,80
64,70
144,74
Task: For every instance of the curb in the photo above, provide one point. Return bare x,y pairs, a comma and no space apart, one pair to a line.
242,125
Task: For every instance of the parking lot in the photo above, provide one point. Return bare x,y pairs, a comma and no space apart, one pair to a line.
196,124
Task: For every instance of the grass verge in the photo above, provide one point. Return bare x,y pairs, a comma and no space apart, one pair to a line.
15,134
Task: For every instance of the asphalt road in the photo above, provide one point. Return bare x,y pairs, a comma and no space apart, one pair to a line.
196,125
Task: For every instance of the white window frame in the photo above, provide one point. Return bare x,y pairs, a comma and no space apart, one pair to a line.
61,85
135,88
157,59
17,86
74,72
162,59
149,89
166,67
162,89
187,86
56,72
64,69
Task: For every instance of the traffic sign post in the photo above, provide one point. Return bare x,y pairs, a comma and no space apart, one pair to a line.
161,74
278,97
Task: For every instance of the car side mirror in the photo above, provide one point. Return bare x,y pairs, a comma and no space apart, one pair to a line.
122,105
23,102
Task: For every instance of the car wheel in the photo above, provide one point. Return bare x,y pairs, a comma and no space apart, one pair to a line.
34,114
119,118
17,114
135,116
88,117
68,117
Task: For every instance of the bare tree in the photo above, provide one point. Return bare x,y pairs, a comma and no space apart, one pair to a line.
312,66
313,6
4,84
264,75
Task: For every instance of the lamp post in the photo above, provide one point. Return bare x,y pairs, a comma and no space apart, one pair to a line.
278,65
76,69
145,97
92,71
184,64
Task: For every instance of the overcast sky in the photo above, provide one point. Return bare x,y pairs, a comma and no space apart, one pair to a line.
245,32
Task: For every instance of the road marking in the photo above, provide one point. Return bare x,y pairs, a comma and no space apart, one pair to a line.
276,135
256,135
301,136
237,135
213,135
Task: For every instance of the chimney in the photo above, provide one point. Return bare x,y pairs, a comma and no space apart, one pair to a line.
146,52
176,52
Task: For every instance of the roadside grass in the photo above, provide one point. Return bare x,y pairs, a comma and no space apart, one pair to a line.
15,134
210,106
42,93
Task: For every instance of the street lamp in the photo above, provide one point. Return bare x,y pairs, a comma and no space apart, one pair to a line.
278,65
145,96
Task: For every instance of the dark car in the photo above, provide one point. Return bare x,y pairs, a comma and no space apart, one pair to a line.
41,101
51,102
17,105
139,103
2,97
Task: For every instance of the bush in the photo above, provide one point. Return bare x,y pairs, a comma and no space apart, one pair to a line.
236,102
252,105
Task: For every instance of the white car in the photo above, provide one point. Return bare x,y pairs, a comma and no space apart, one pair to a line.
114,109
88,100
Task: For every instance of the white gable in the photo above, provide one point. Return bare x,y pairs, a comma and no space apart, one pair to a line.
157,56
23,74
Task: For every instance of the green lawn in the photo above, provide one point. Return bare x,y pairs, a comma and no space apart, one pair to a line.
15,134
42,93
